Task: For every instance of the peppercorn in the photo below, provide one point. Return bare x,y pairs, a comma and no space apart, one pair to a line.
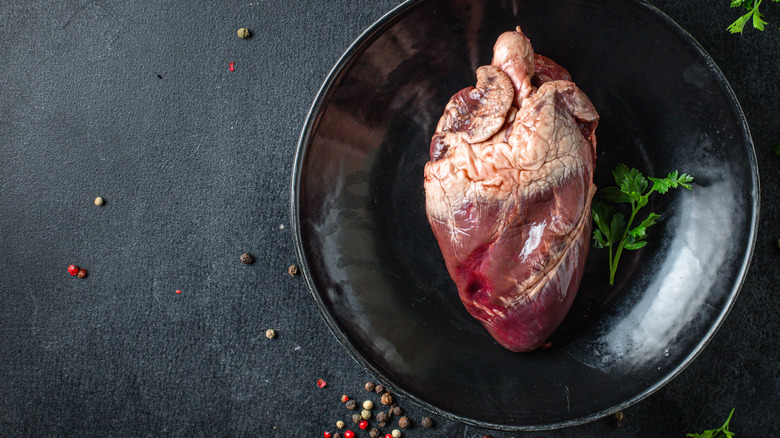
326,434
340,424
382,424
370,386
397,411
336,435
82,273
374,433
356,418
617,419
381,417
99,201
486,436
270,333
350,404
403,422
363,425
344,398
321,383
387,399
379,389
73,270
366,414
396,433
368,404
427,422
292,270
246,258
389,435
243,33
349,434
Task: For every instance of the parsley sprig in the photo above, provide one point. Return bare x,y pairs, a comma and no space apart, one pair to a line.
612,231
753,14
715,433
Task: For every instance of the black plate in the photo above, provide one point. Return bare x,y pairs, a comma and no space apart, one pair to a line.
374,267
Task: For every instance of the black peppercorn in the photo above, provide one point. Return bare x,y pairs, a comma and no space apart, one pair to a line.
350,404
381,417
403,422
246,258
427,422
374,432
382,424
82,273
387,399
379,389
397,411
370,386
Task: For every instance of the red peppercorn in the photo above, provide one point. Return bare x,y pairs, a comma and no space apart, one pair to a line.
344,398
363,424
82,273
231,66
349,434
326,434
321,383
389,435
73,270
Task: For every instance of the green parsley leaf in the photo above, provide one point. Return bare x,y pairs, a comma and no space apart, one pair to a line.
612,228
715,433
753,14
598,239
614,194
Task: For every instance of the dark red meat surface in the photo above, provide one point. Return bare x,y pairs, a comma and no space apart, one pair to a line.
508,192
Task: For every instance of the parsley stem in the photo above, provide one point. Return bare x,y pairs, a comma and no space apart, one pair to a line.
613,264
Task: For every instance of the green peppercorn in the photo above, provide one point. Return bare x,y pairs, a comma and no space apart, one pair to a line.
356,418
243,33
374,432
366,414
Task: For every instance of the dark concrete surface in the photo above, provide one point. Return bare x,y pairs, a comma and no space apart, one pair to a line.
133,101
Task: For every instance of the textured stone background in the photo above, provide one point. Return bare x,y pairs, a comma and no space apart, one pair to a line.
133,101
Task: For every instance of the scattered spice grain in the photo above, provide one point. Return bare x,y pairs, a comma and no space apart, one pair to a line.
340,424
292,270
82,273
374,433
365,414
396,433
368,404
270,334
403,422
321,383
397,411
350,404
387,399
99,201
246,258
379,389
370,386
427,422
243,33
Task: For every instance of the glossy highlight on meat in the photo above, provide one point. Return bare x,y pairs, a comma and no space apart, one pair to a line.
508,192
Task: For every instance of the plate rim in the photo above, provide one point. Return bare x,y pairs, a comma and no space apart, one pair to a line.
302,147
